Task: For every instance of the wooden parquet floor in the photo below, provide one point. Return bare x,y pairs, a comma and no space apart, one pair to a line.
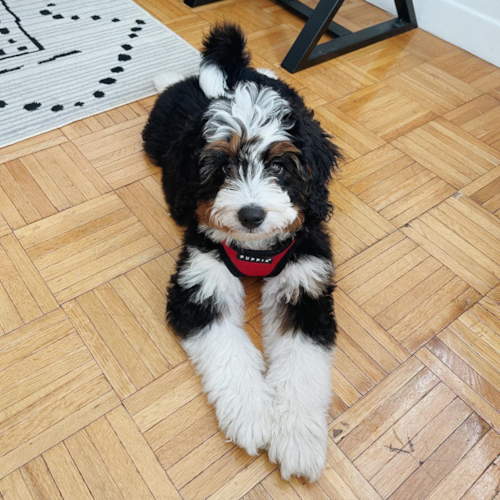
98,399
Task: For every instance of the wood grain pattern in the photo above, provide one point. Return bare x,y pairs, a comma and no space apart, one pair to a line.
97,397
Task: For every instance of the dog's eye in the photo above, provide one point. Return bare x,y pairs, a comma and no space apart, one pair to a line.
277,167
227,168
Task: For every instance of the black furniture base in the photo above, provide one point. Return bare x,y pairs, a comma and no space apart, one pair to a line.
306,52
197,3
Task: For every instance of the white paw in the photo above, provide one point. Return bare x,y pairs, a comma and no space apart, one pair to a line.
245,419
298,443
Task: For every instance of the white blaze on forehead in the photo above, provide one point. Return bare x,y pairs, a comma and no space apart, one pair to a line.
249,111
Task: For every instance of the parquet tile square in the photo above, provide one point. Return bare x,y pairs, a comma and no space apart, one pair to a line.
335,79
250,13
394,185
164,396
355,416
272,44
434,88
116,152
342,480
104,120
433,461
468,68
405,290
352,138
412,433
107,459
480,118
39,185
464,237
468,351
32,145
384,59
124,332
422,44
363,338
393,475
397,437
384,110
470,468
355,226
87,245
51,387
146,200
366,15
448,151
54,179
18,209
23,294
190,27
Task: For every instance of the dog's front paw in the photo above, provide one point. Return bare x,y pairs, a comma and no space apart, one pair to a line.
298,443
245,419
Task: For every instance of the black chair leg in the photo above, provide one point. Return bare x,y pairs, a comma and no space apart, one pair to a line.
315,28
306,52
197,3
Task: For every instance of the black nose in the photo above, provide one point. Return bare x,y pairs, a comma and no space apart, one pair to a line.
251,216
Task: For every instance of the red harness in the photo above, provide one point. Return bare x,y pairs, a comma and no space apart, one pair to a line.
242,262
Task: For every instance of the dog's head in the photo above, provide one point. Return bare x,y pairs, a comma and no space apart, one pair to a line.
264,167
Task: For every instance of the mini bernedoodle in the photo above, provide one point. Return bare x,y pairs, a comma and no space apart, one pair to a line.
245,170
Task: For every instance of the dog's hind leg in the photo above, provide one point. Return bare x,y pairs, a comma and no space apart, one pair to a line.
205,307
298,334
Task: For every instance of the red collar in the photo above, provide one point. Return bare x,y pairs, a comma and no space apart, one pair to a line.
243,262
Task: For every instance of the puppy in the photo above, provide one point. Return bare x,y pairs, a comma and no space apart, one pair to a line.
245,170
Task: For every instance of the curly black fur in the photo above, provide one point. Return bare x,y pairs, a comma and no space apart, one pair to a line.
173,139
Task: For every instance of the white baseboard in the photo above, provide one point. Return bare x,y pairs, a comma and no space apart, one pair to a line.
474,27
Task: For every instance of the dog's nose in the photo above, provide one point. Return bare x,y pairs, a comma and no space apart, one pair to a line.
251,216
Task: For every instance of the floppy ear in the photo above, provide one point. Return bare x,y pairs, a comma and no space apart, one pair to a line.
321,157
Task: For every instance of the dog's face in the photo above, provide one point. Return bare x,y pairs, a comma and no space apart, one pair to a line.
253,176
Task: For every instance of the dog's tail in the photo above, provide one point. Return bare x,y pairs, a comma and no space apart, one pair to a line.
167,79
224,57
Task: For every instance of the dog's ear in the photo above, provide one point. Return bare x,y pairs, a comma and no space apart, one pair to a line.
320,156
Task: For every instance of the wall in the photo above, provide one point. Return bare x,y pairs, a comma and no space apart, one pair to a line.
473,25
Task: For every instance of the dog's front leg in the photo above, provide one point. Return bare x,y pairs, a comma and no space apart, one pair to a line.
298,333
205,307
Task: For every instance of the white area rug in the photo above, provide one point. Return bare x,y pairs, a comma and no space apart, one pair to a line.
64,60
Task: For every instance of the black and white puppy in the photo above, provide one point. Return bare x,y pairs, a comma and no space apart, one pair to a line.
245,170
